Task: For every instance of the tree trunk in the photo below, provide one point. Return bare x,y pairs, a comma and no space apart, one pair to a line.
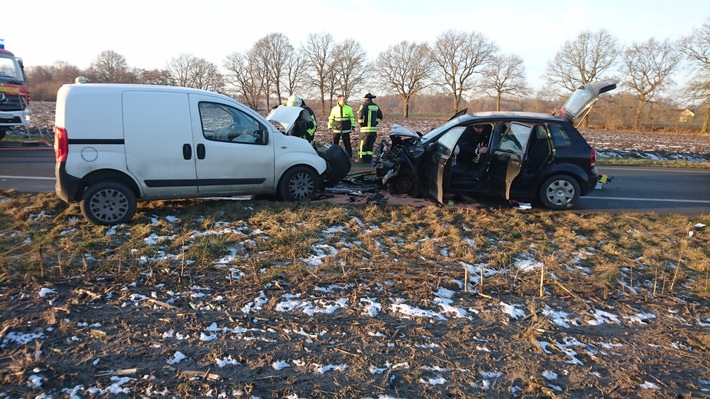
704,129
637,115
498,101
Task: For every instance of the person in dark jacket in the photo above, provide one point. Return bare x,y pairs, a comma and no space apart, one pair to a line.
369,116
305,129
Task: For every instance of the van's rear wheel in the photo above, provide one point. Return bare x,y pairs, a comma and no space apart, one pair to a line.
298,184
108,203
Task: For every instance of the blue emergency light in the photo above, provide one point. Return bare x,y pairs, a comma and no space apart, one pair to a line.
2,43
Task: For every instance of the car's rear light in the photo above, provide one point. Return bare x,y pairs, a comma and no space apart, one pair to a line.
593,158
61,144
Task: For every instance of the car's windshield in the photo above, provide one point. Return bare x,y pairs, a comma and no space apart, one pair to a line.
446,126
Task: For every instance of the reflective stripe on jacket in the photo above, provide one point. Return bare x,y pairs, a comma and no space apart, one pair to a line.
341,119
369,116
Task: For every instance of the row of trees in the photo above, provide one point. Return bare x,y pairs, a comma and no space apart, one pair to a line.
460,65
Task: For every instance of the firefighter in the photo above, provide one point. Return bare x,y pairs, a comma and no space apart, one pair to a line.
369,116
307,130
342,121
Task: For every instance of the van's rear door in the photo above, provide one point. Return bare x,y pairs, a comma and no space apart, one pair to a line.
158,142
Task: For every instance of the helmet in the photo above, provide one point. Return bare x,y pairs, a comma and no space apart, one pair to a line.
294,101
81,79
369,95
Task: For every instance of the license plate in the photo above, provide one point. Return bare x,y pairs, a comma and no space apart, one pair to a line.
5,115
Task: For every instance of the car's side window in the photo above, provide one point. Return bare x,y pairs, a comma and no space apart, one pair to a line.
559,137
224,123
514,137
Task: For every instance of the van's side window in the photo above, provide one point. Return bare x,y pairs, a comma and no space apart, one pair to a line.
224,123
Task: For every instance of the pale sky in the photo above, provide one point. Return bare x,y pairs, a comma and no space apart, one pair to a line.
148,33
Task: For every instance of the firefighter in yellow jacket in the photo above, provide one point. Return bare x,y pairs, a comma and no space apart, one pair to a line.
342,121
369,116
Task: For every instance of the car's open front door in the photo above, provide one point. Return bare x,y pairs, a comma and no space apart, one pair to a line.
437,174
507,158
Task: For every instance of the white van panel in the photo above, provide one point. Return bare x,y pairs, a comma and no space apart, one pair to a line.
97,115
157,126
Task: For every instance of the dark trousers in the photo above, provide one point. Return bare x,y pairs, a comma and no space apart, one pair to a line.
346,142
367,144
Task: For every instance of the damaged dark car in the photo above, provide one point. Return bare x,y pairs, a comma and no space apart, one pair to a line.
515,156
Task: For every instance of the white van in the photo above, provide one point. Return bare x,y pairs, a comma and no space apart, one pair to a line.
118,143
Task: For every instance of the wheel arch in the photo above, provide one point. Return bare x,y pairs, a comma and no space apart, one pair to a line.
106,174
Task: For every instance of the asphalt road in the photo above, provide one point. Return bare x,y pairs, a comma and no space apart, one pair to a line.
632,189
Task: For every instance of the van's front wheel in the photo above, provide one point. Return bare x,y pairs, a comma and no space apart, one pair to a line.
298,184
108,203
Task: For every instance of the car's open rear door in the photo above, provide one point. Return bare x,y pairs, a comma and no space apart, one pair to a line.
507,157
582,100
437,175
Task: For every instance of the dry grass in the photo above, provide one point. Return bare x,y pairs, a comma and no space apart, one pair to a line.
46,238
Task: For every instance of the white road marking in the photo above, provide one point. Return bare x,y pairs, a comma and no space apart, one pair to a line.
27,177
649,199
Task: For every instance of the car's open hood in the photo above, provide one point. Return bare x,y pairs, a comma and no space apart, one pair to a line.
402,132
287,116
582,100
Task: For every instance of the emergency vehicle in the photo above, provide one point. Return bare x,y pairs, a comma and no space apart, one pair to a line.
14,95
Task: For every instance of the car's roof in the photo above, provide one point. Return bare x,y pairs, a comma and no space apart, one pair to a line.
514,115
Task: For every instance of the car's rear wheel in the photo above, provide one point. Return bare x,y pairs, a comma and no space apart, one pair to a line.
298,184
559,192
108,203
404,183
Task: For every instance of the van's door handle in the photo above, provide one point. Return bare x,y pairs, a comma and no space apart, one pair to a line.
186,151
200,151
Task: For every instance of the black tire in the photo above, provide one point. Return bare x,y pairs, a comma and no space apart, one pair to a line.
559,192
298,184
338,165
108,203
2,133
405,182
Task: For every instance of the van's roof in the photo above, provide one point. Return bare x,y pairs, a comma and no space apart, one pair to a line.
106,88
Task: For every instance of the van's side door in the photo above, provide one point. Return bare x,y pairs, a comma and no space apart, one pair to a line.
233,148
158,142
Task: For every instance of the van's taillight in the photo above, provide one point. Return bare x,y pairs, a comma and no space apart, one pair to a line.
593,158
61,144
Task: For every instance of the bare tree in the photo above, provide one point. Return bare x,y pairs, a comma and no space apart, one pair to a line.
318,51
584,60
110,67
153,77
349,66
273,52
405,68
246,77
294,73
458,55
505,75
696,47
647,68
187,70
